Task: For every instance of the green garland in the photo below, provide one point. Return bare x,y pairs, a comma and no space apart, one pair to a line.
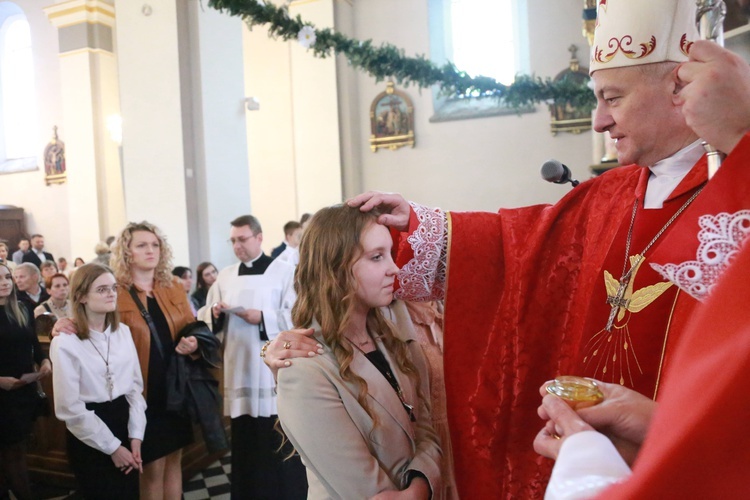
389,61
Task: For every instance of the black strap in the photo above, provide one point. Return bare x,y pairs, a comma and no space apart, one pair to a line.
144,312
46,306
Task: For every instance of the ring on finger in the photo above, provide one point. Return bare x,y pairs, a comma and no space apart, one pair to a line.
287,345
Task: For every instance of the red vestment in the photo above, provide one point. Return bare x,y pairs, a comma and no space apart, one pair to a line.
526,301
698,445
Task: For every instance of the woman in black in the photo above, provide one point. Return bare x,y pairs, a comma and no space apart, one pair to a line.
19,352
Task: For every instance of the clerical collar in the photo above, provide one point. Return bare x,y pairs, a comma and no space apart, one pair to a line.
249,263
667,174
40,253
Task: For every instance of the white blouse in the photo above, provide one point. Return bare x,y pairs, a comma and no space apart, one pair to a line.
79,378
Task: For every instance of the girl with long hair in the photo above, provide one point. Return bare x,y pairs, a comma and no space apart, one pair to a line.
19,352
99,390
205,276
356,414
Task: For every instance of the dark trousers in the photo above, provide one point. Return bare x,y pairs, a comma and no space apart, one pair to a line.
259,471
97,476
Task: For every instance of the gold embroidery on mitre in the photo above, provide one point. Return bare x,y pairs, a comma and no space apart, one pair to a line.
622,45
685,45
612,350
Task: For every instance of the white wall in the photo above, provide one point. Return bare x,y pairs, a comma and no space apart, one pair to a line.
46,207
479,164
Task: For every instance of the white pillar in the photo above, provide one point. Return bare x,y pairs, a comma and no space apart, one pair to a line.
152,142
218,142
89,93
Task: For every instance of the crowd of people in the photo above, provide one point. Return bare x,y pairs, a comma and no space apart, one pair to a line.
379,395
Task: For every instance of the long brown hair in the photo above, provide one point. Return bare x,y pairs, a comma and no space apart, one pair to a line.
326,286
200,283
80,286
15,312
122,257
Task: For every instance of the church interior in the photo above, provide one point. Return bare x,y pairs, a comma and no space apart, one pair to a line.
173,112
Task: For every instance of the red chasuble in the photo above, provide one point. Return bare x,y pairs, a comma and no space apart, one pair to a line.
697,446
526,300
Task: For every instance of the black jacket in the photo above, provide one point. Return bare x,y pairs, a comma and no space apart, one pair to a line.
193,391
32,257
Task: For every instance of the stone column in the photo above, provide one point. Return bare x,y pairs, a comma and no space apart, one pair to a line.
88,75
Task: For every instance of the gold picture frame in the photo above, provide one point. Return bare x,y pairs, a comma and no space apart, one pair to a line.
391,120
564,116
55,168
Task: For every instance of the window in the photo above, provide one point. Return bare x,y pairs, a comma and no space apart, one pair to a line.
481,37
18,113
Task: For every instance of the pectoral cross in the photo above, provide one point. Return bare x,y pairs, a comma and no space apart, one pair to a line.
110,382
617,301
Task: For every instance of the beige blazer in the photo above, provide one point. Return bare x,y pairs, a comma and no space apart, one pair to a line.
347,456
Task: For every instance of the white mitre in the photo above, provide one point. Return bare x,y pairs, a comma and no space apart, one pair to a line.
634,32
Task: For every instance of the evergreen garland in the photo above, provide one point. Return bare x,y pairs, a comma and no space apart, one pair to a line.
388,61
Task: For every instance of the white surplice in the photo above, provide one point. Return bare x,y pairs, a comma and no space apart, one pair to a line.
248,382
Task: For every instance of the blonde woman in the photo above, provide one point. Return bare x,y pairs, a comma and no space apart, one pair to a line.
4,256
99,390
356,414
142,263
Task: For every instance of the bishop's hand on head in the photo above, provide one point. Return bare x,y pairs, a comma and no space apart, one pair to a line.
395,209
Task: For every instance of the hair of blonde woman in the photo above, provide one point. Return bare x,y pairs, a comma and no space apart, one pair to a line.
122,257
49,279
15,312
80,286
326,290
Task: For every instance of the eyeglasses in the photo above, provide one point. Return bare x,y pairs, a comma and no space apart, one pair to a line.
241,239
106,290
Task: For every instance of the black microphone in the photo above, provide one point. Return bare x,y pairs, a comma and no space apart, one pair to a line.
554,171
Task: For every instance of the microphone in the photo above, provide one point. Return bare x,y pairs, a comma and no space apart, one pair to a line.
554,171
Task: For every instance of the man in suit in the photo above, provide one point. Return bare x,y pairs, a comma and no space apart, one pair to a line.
37,255
249,303
27,277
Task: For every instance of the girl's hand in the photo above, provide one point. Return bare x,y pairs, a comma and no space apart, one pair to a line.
135,450
124,460
45,369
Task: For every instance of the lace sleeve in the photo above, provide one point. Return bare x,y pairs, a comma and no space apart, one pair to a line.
423,277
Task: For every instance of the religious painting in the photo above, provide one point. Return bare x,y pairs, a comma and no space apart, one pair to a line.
54,160
566,117
391,120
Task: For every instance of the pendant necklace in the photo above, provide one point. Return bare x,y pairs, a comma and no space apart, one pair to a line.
109,381
390,378
618,300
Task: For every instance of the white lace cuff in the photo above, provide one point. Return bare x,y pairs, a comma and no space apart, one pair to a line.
423,277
